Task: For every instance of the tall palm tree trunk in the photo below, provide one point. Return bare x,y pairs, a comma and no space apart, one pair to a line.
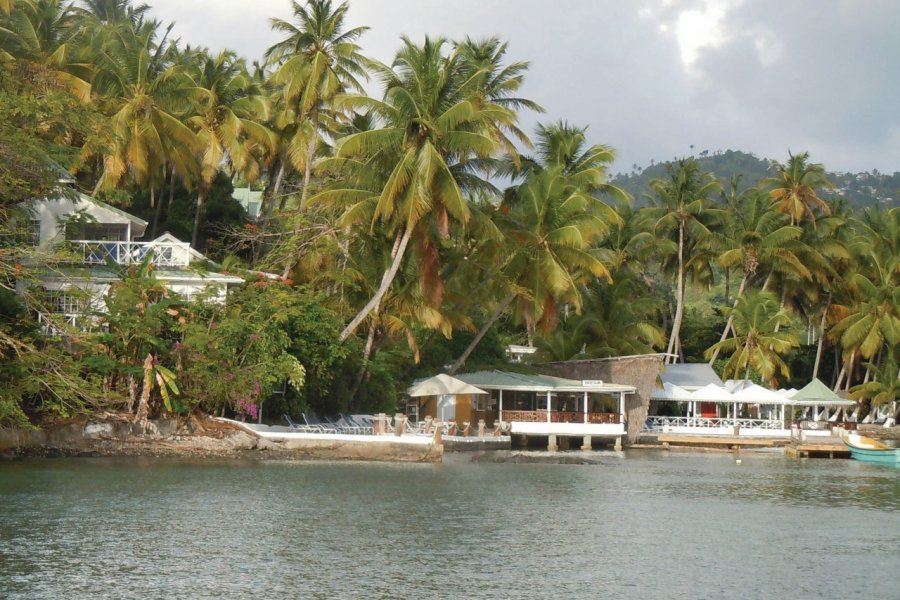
387,279
162,199
730,323
271,199
459,362
367,353
310,155
201,198
679,307
815,372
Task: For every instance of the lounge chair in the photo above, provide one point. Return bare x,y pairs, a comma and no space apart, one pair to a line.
366,423
345,424
296,427
312,420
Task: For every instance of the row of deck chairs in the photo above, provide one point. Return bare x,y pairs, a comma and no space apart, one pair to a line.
348,424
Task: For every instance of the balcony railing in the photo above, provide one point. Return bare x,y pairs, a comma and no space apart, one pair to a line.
540,416
165,254
63,324
657,423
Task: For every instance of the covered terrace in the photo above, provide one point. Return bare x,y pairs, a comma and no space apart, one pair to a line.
543,405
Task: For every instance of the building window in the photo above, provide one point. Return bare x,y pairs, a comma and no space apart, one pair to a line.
65,302
34,233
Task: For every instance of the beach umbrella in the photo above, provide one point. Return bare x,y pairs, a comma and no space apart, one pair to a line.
442,385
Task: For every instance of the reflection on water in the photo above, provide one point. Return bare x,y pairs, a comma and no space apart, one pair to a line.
648,525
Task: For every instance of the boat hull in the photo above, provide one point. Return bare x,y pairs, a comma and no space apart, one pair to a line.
884,457
868,450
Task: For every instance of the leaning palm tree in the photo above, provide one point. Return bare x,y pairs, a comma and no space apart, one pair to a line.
404,183
229,108
796,187
318,60
757,347
682,211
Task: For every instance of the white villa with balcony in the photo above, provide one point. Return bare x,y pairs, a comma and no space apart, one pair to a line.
93,235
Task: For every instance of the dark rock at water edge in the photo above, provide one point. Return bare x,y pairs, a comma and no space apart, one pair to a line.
536,458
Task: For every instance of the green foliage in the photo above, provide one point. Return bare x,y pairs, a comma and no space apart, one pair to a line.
233,357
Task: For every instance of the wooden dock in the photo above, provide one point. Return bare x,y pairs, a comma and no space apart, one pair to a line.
718,441
817,447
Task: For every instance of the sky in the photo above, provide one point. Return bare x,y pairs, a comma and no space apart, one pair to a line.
654,79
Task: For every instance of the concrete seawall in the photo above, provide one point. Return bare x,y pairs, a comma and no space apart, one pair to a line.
218,438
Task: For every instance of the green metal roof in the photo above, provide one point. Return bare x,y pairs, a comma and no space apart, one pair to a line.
536,382
816,392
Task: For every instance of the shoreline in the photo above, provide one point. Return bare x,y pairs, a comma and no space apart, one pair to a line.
211,438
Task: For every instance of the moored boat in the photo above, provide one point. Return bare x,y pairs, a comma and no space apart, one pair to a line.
871,450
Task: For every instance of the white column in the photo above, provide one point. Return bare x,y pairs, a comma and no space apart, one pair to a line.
735,413
621,407
548,407
585,408
501,406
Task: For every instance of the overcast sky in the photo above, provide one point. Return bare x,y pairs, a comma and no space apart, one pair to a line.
652,77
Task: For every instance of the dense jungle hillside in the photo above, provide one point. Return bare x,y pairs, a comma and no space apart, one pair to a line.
858,190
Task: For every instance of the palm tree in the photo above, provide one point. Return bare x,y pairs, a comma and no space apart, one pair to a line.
756,345
404,180
884,388
796,188
498,84
619,318
318,60
43,33
145,99
758,239
107,13
551,222
875,318
682,212
229,108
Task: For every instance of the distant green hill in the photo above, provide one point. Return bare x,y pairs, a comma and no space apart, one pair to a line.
858,189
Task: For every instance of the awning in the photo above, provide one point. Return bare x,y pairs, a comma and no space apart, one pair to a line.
442,384
712,393
816,393
670,393
757,394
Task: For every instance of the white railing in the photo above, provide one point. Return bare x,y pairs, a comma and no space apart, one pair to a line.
657,423
59,324
165,254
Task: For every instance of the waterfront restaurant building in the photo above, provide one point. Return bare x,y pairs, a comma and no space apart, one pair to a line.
538,406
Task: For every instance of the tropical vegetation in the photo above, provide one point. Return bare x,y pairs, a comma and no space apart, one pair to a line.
409,225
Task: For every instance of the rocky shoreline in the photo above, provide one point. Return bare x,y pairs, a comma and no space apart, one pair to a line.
198,437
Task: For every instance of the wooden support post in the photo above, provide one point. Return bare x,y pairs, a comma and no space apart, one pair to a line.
481,427
380,424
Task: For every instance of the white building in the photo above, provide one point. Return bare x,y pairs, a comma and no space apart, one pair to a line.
91,239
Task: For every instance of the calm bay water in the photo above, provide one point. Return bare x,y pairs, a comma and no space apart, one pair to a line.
641,525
